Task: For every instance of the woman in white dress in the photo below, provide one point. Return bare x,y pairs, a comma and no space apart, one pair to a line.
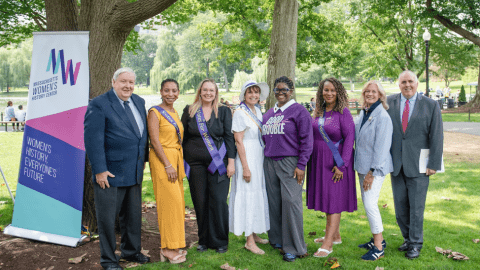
248,205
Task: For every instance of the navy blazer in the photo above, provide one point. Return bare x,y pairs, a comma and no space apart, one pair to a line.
424,131
110,140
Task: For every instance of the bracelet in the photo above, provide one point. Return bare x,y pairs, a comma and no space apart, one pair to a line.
168,166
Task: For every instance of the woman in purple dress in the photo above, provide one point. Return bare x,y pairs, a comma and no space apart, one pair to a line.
330,175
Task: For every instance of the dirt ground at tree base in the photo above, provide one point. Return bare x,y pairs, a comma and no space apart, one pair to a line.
23,254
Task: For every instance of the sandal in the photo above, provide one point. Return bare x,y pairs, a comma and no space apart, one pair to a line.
322,250
180,258
261,241
320,240
254,251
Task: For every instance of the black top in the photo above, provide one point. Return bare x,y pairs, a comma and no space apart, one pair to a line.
220,129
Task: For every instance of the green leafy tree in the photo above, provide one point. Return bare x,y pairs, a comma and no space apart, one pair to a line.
460,17
141,59
15,61
164,63
6,74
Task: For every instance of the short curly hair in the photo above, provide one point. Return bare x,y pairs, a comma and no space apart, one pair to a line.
342,97
286,80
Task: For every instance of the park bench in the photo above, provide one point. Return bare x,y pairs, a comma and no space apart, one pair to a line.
6,123
355,105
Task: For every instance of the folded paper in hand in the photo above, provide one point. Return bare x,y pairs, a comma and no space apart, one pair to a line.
423,162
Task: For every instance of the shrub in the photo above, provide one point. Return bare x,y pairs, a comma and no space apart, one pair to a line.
462,97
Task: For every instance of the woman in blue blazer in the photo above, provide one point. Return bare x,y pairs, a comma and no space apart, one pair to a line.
373,138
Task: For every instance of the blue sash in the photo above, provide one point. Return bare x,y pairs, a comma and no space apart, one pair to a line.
167,116
217,155
333,147
254,118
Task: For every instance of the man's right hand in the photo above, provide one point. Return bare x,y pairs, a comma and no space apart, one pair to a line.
102,179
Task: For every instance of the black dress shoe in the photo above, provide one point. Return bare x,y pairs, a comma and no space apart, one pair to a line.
403,247
138,258
112,267
413,253
202,248
222,249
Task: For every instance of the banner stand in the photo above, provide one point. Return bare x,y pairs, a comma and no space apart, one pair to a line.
6,184
49,193
44,237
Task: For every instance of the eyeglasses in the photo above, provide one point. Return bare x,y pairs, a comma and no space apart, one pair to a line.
280,90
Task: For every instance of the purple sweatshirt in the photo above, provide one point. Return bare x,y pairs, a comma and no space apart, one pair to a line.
288,133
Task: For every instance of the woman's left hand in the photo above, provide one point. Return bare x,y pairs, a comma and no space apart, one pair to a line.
231,167
337,174
367,182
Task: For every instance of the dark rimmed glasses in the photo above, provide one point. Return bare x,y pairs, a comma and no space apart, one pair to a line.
280,90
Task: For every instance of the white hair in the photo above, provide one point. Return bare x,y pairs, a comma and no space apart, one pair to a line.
123,70
410,72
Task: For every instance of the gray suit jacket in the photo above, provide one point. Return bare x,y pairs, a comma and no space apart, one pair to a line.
424,131
373,142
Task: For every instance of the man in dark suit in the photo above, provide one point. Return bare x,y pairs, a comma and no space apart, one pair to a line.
116,145
417,124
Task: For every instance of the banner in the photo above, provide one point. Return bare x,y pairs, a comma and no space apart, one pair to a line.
48,203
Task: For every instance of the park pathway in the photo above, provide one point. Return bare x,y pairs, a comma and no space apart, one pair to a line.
472,128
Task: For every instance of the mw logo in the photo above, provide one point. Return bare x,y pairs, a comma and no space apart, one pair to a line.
55,62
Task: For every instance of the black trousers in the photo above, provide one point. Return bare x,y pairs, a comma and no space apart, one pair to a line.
126,202
209,198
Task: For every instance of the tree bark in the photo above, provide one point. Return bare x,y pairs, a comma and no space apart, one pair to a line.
61,15
225,79
283,45
109,23
475,102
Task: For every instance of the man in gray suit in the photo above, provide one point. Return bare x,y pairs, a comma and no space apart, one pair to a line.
417,124
116,145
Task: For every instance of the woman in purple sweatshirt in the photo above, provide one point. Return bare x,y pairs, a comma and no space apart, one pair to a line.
288,136
330,175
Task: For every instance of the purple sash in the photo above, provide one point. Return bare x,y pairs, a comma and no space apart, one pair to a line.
254,118
333,147
167,116
217,155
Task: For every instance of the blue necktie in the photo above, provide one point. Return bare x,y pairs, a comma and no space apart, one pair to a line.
130,116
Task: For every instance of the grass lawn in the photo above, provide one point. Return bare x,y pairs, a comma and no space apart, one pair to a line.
449,224
460,117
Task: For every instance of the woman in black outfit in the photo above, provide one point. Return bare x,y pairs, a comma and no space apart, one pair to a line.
209,190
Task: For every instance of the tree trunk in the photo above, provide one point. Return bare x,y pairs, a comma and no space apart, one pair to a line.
475,102
61,15
283,45
208,68
109,23
225,79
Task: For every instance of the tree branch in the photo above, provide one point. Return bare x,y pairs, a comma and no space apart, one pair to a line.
126,15
451,25
39,23
378,38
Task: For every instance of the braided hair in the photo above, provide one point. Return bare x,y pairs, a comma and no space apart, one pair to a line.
342,97
286,80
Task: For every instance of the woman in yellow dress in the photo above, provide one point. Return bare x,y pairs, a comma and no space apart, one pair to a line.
166,165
